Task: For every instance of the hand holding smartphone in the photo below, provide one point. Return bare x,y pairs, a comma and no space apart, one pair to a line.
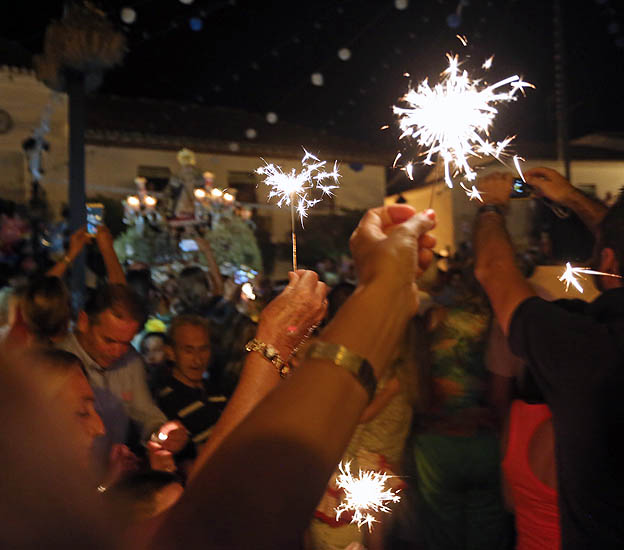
520,189
95,216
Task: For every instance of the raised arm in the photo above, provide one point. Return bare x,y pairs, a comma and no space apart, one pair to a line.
283,324
215,274
261,485
104,241
495,264
552,185
77,241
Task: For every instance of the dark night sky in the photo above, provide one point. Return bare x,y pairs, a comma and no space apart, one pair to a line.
259,56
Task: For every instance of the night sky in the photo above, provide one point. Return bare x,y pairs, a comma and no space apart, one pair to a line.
259,56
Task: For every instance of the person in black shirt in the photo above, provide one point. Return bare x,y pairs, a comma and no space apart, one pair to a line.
189,395
574,350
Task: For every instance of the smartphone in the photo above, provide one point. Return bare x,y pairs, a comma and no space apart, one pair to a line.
95,216
188,245
243,276
520,189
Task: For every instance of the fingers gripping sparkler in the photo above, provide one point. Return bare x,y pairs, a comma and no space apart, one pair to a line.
293,187
571,276
364,495
452,120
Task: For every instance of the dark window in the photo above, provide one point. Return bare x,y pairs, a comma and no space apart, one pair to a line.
157,177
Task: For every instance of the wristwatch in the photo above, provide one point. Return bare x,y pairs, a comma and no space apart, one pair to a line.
340,356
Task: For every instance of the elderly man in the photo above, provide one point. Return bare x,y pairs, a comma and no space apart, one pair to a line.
101,340
189,394
573,349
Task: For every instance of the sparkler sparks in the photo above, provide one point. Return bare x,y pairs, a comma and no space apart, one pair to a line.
295,185
472,193
452,120
364,495
569,276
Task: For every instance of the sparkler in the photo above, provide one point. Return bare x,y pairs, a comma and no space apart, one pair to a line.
569,276
294,186
472,193
452,120
364,495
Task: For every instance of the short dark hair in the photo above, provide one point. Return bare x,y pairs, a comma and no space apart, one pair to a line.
146,336
188,319
46,307
611,231
120,298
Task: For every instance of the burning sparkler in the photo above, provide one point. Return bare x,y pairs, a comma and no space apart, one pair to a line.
452,119
569,276
364,495
472,193
294,186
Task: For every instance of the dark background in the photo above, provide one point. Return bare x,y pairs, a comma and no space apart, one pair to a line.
259,55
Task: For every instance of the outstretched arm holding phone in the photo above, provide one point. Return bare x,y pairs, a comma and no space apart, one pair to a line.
104,240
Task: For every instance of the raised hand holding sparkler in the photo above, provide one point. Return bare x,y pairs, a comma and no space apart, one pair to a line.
452,120
295,186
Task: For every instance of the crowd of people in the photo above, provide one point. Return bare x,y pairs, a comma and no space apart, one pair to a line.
151,419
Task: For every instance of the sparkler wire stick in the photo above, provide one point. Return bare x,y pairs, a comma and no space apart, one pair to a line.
292,230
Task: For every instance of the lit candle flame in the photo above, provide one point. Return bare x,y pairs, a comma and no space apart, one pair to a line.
216,193
228,197
133,201
365,495
200,193
150,201
452,120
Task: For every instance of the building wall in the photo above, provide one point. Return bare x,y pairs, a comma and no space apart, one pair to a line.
25,99
456,213
111,171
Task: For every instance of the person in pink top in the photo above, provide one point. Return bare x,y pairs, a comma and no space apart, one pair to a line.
529,471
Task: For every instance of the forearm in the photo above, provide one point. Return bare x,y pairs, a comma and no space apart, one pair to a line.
59,268
257,380
495,267
288,446
215,274
378,404
590,212
494,252
114,270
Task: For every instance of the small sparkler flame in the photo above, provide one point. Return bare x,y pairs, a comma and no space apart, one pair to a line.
452,120
472,193
487,63
569,276
293,187
364,495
